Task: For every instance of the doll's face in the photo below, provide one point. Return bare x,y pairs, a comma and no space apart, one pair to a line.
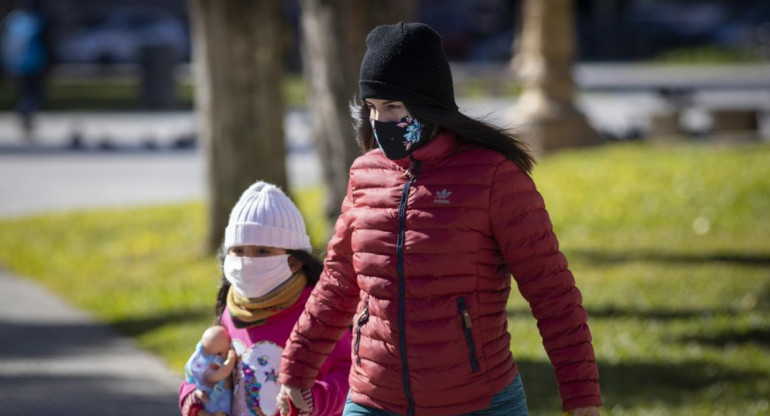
216,341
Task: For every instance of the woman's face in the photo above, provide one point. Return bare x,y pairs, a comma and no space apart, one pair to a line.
264,251
385,110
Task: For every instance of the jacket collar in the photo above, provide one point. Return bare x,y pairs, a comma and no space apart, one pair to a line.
443,144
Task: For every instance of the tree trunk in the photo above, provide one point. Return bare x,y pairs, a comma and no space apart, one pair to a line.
333,34
238,78
544,64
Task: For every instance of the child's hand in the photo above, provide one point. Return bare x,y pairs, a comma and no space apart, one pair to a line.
201,396
229,363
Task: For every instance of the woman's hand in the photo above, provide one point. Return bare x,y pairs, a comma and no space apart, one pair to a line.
583,411
296,397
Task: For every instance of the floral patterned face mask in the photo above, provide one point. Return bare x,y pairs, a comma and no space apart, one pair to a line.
399,138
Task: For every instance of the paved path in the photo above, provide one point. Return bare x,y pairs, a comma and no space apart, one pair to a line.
46,177
55,360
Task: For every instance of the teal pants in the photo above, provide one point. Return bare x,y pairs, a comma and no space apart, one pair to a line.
510,401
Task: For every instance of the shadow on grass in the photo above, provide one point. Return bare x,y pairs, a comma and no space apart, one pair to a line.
639,384
733,336
612,311
137,326
609,257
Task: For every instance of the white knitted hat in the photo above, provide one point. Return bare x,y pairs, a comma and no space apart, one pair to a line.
265,216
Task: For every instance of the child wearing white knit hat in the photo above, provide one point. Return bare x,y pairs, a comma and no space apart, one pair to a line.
269,273
265,216
265,221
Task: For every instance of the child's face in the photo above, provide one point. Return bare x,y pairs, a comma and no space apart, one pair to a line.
264,251
255,251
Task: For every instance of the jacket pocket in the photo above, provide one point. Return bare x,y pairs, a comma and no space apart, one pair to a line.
465,317
362,319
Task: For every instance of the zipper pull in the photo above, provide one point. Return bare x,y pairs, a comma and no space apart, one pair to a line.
408,172
467,319
414,167
364,313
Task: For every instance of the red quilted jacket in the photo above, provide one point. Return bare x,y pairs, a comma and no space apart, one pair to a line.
421,265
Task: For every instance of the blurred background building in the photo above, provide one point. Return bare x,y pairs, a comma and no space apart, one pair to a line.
114,31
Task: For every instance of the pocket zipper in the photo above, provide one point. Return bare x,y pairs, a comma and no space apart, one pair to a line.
362,319
467,325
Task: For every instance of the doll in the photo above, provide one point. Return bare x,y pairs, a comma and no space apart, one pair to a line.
210,368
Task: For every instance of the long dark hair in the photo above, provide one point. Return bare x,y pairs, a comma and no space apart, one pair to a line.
310,265
468,129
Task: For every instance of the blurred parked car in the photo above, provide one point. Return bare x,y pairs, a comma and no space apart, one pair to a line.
118,34
676,22
747,28
656,26
476,31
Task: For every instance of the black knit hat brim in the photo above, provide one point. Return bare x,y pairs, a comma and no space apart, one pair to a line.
384,91
406,62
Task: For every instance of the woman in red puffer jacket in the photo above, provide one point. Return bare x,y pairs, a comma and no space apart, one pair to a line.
440,211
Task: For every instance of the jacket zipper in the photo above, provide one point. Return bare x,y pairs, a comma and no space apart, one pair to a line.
402,285
361,321
467,325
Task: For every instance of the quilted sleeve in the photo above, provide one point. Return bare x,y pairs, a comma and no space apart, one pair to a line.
522,228
331,388
328,312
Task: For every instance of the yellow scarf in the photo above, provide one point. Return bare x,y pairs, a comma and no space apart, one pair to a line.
257,310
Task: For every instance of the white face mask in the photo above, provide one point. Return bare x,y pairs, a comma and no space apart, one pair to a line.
254,277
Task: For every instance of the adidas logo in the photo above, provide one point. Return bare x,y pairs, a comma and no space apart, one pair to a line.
442,197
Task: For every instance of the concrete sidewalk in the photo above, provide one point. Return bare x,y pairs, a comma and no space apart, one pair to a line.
55,360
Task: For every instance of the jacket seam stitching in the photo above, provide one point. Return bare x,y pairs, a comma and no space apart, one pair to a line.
478,258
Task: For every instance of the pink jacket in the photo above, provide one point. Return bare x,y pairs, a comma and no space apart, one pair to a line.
260,347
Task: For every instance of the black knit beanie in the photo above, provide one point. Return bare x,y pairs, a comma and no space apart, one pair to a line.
406,62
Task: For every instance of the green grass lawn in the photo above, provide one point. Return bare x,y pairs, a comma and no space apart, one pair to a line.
670,246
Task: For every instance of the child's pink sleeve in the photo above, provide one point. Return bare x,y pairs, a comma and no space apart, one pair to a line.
186,401
331,387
